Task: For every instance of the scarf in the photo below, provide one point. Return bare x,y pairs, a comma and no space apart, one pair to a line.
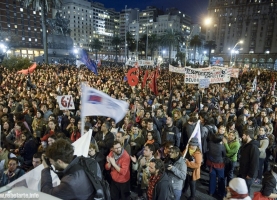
191,152
152,182
262,137
116,157
236,195
150,141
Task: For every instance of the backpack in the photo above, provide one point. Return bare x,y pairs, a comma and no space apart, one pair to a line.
101,186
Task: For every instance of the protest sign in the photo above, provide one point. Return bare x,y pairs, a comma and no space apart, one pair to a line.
66,102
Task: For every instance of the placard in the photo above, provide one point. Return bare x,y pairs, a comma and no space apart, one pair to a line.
66,102
204,83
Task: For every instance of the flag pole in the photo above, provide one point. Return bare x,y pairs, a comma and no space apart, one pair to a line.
82,116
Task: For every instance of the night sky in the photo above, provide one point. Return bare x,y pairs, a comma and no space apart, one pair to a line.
197,9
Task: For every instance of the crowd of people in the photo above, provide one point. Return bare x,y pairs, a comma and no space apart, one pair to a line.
150,152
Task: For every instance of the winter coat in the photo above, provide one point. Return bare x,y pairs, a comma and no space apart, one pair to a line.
106,144
268,184
216,149
6,179
177,174
249,159
170,134
232,149
263,145
160,190
195,165
74,183
139,140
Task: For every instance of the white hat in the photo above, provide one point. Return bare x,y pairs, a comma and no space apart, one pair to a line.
238,185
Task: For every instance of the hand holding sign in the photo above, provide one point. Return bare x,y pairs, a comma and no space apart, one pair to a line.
66,102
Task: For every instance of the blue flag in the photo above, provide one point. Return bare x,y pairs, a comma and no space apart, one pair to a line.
88,62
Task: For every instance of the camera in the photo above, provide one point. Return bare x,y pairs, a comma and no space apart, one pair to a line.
47,160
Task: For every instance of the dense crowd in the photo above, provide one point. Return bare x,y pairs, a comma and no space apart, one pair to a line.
150,150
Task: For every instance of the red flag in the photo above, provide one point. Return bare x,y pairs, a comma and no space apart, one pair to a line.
144,79
30,70
153,83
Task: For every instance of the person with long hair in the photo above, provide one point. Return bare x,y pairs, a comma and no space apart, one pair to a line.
151,140
51,130
193,160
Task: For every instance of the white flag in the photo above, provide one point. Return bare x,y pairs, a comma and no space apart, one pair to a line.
195,134
33,177
254,84
96,103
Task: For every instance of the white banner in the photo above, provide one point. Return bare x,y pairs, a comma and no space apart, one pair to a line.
96,103
140,63
65,102
222,75
177,69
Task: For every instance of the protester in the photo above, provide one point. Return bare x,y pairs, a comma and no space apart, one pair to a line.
118,161
60,155
12,173
237,190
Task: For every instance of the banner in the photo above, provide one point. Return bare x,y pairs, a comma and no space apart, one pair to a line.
66,102
177,69
222,75
96,103
31,179
140,63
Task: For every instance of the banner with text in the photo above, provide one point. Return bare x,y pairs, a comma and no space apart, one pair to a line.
216,75
177,69
140,63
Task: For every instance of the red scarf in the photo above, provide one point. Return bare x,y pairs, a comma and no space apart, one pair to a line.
236,195
150,141
152,182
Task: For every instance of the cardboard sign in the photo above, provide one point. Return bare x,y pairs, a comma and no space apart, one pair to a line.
66,102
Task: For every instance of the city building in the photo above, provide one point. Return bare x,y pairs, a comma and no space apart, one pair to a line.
245,32
20,29
89,20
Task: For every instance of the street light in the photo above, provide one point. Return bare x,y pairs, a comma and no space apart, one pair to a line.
163,53
234,51
187,43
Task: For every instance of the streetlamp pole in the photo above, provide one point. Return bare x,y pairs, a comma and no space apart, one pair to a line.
125,34
233,50
146,52
137,32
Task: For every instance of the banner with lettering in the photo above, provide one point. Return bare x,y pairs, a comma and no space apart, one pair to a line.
140,63
177,69
222,75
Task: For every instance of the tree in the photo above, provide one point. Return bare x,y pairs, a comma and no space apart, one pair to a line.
153,43
16,62
96,45
131,43
142,43
210,45
43,5
195,42
171,39
116,41
180,56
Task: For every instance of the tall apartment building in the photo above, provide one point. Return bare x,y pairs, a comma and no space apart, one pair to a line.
252,21
89,20
22,27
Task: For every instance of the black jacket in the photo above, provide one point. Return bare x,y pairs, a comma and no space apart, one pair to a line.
161,190
74,184
249,159
216,149
170,134
106,144
268,184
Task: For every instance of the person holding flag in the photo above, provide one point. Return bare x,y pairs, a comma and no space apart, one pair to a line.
193,159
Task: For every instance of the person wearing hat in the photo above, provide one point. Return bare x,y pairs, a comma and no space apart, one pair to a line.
193,160
237,190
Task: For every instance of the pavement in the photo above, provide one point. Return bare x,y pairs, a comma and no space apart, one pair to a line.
202,189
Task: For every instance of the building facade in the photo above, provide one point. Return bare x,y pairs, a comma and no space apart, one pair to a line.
253,22
89,20
20,29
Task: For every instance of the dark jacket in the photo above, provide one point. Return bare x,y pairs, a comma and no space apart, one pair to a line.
6,179
268,184
106,144
249,159
216,149
74,184
27,151
161,190
170,134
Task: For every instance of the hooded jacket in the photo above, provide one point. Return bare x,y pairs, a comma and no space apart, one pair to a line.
249,159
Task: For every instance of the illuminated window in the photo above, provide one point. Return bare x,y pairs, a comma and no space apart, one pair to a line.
15,26
21,9
34,12
23,38
30,39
